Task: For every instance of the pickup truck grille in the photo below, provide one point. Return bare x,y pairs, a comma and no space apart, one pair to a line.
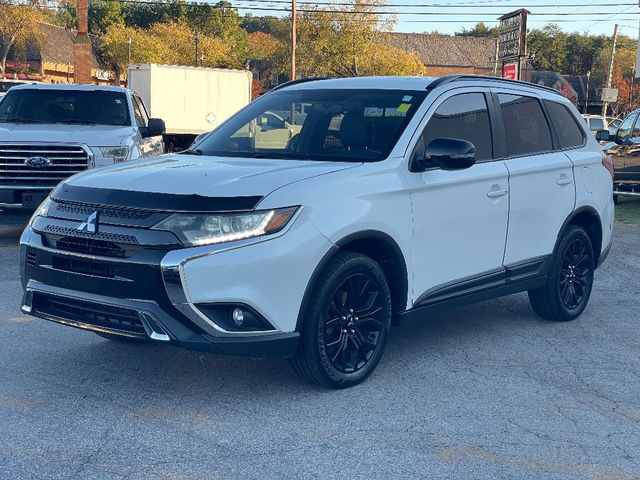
61,161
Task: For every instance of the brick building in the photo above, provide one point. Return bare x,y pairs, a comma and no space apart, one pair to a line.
447,54
51,58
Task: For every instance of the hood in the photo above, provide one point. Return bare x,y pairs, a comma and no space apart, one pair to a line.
92,135
204,176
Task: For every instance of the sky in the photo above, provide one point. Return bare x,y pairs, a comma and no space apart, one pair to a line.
587,16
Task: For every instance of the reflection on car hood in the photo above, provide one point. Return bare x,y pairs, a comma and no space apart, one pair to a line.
204,176
92,135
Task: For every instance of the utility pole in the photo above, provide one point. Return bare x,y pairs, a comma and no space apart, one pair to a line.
294,15
82,54
129,41
610,74
197,55
586,93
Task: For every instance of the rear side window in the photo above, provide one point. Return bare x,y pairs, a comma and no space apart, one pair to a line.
565,125
466,117
525,125
596,124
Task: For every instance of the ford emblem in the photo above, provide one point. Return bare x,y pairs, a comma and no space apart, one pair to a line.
37,162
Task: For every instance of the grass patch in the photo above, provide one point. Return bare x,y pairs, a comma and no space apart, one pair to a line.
628,211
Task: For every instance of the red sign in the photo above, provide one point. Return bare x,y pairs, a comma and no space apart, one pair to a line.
510,71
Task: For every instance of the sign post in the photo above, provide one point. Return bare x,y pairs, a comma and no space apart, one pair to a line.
512,43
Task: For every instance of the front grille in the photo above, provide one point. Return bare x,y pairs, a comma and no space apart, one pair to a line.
89,313
82,266
65,160
91,247
104,236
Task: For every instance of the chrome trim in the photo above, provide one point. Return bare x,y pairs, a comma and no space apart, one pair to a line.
148,319
149,322
172,267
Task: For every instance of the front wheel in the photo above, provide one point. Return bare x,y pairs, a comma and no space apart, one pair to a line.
569,280
346,323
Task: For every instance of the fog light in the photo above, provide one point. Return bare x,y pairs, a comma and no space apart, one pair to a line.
238,317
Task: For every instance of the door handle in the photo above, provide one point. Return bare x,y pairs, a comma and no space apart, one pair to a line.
497,193
564,180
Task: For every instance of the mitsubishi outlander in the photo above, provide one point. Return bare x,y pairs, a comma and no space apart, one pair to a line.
370,200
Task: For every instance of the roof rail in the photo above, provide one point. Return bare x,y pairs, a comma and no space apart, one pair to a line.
462,77
295,82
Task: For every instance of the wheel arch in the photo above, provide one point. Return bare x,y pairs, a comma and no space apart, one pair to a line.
589,219
383,249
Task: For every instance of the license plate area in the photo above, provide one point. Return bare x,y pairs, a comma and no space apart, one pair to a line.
33,199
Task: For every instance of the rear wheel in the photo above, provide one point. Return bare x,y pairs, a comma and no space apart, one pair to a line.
570,278
346,324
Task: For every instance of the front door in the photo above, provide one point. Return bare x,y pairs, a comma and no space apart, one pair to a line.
460,217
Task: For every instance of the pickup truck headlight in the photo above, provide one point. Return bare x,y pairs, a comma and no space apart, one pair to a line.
207,229
118,154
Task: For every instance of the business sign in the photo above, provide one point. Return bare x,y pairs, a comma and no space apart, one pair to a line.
609,95
512,40
510,71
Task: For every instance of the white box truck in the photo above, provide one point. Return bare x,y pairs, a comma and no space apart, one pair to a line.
191,100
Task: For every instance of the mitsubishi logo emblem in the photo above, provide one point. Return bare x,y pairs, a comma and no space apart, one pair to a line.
90,225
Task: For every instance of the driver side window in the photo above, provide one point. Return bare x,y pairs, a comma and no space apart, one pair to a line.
624,132
465,117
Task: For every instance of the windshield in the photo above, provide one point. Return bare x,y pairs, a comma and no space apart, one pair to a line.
65,106
339,125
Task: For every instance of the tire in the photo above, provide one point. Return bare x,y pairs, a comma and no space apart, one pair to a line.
346,323
119,338
570,278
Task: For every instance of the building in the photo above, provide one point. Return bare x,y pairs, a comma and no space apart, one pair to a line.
50,59
447,54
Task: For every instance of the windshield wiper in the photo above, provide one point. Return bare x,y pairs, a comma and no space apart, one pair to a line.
188,151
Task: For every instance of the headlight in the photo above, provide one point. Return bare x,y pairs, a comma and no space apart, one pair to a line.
206,229
118,154
41,211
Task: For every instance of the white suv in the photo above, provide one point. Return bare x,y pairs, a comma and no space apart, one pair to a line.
388,198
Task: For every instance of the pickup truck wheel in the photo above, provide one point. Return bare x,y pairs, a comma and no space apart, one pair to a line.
346,324
570,279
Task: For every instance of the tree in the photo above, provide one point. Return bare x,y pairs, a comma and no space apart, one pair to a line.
548,48
348,42
480,30
262,46
18,26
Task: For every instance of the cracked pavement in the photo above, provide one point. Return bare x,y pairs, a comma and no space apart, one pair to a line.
482,392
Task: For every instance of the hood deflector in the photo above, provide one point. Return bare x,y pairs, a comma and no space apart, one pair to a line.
165,202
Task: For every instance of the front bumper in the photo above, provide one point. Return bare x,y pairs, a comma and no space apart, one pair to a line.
155,291
158,325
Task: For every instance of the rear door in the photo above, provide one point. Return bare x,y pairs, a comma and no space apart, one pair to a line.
541,181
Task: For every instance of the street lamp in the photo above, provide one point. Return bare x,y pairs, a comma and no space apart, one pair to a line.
586,94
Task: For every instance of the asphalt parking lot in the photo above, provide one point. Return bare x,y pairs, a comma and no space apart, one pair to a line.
483,392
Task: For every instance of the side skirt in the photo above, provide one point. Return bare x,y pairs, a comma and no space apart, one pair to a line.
510,279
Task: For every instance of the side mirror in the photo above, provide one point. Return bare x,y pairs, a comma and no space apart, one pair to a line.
603,135
155,128
448,154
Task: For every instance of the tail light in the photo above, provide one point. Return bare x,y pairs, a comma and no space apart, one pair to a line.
607,163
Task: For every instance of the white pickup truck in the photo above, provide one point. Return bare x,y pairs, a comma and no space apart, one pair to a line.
49,132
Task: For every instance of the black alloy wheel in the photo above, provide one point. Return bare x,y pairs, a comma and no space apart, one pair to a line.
354,322
345,323
575,282
569,278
